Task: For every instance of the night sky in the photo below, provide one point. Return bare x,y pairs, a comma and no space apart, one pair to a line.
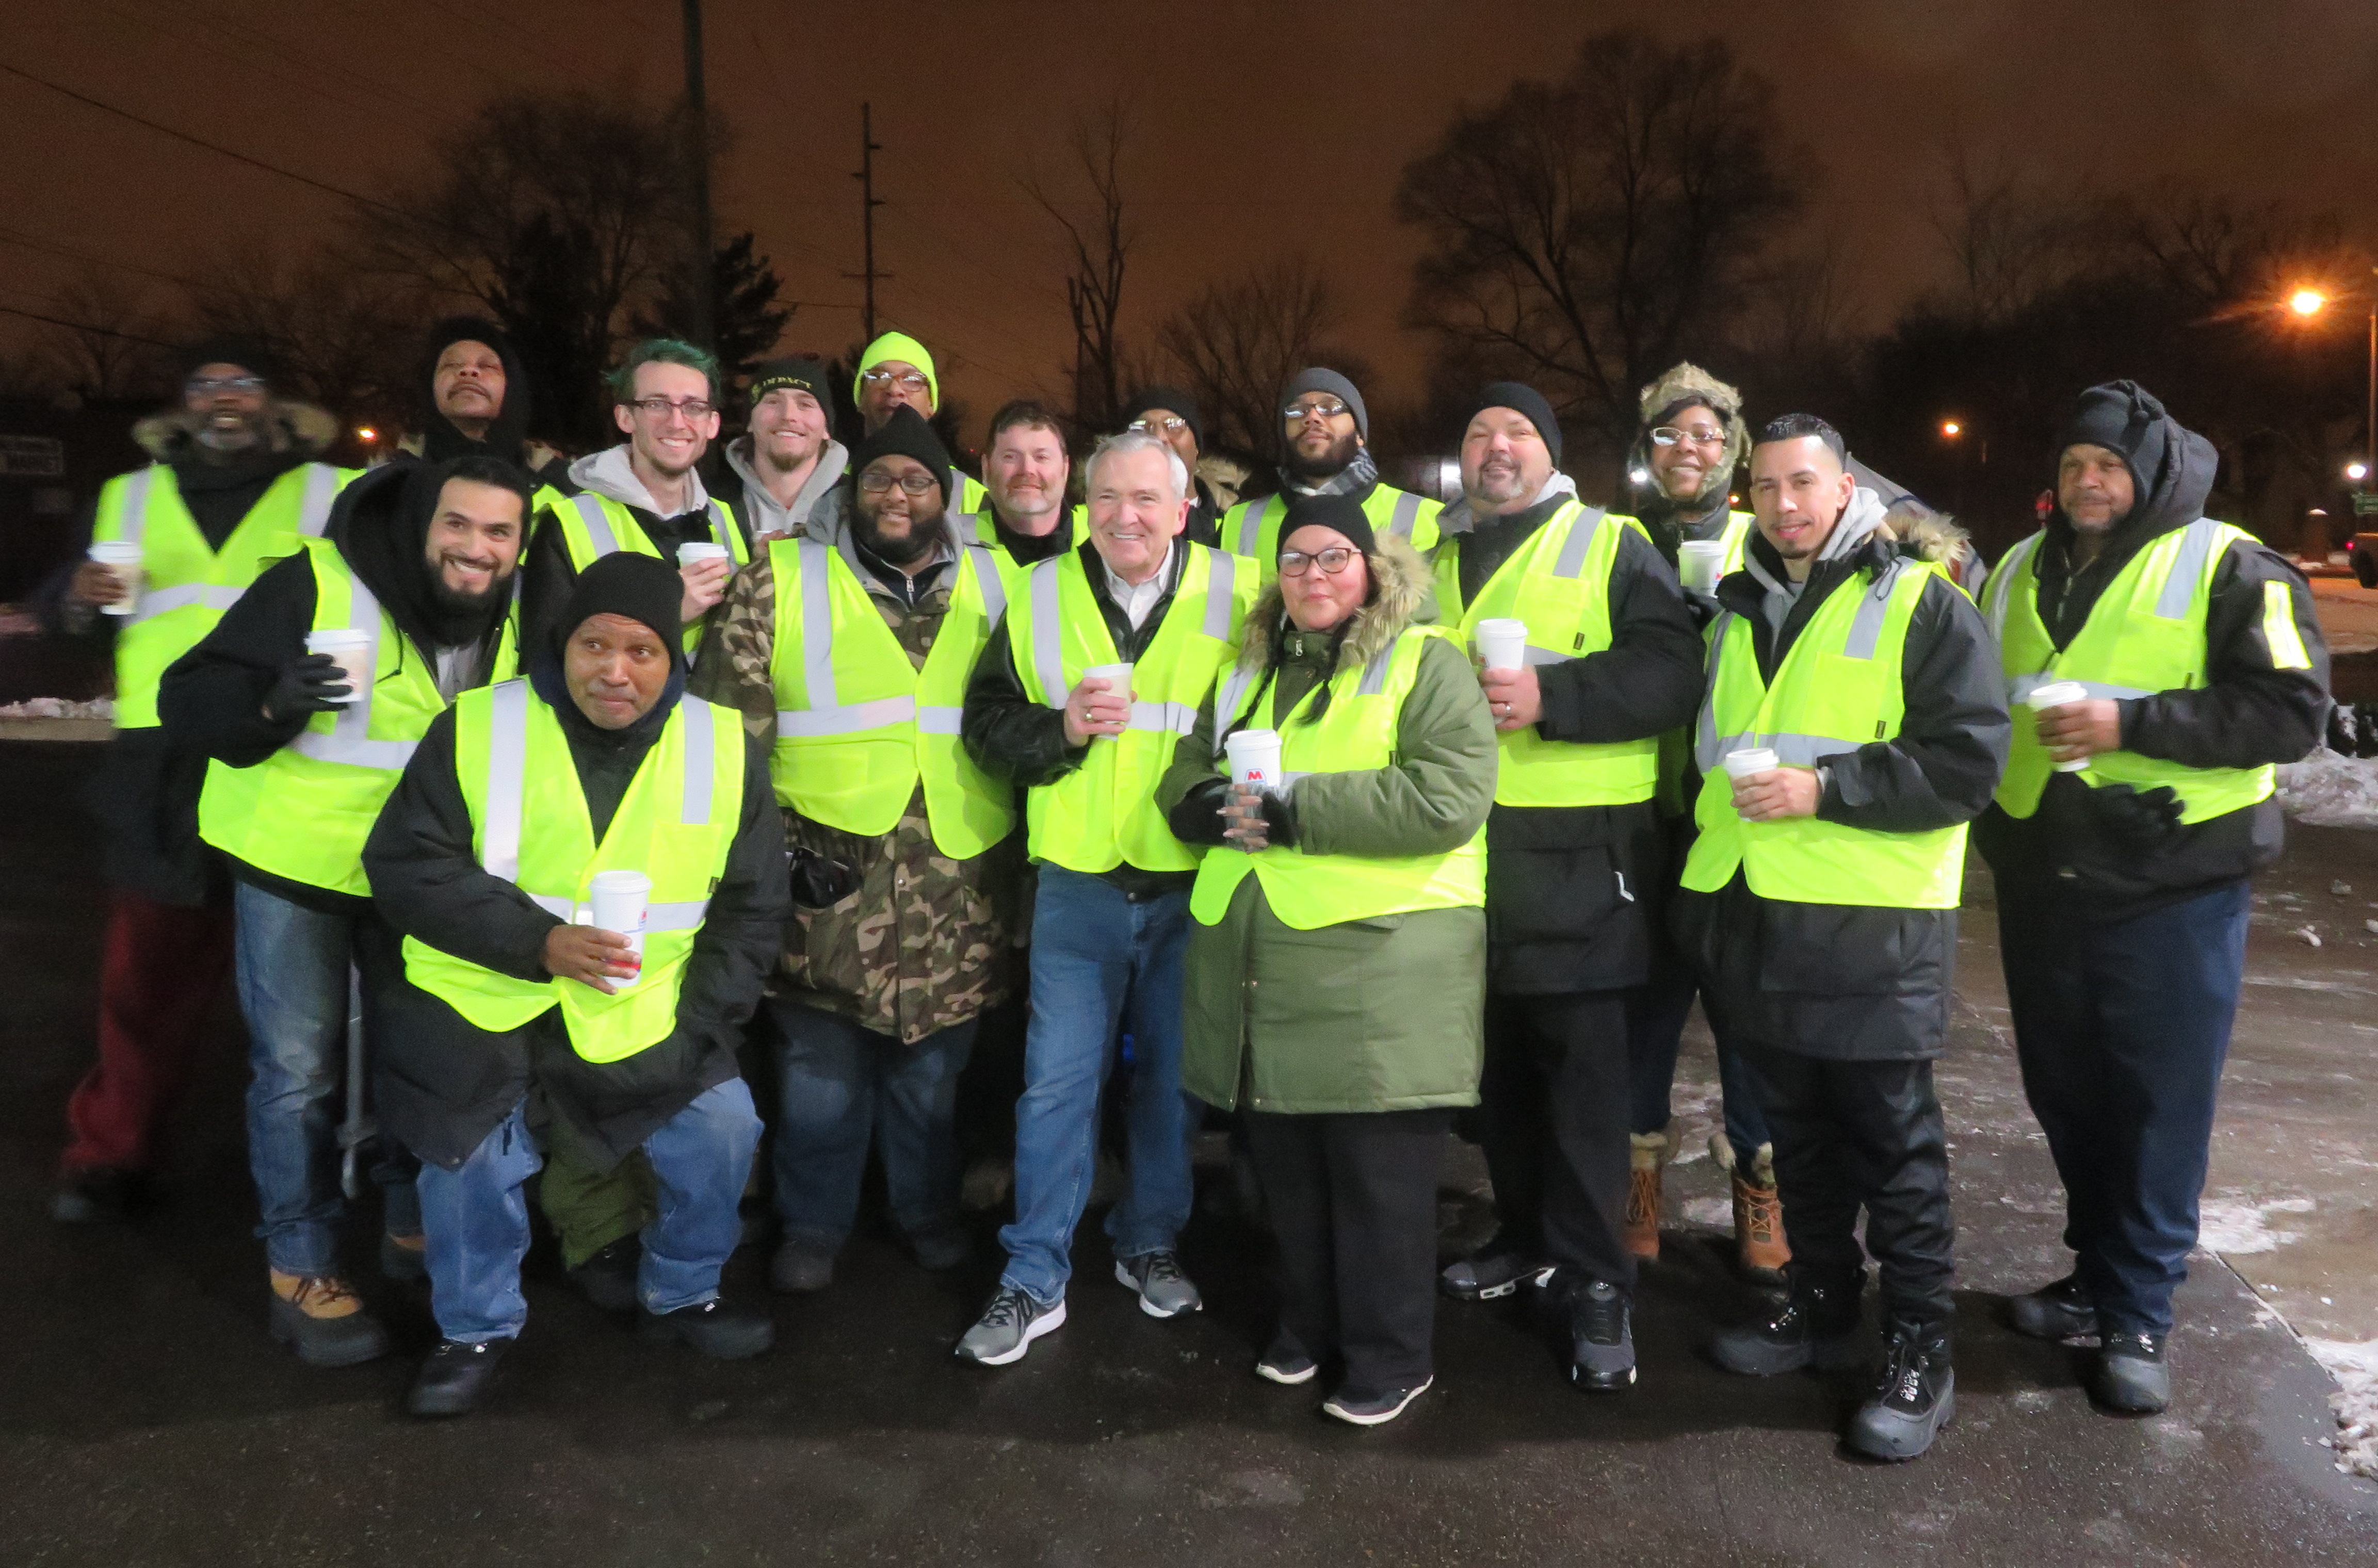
1261,129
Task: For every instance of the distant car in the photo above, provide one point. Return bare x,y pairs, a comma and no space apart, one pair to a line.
2363,550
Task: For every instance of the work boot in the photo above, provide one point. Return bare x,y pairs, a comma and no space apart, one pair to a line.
454,1377
714,1328
323,1317
798,1268
1759,1250
100,1195
2059,1310
608,1277
1601,1338
1816,1326
1648,1155
2129,1376
405,1259
1913,1397
1008,1326
1495,1270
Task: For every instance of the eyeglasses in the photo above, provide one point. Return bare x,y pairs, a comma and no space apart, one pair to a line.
1332,561
1171,424
877,482
1668,436
906,380
208,385
661,408
1327,408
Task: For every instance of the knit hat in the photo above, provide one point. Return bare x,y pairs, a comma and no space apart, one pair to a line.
2125,418
1171,398
797,371
907,435
626,582
252,355
1313,379
1342,512
900,346
1520,398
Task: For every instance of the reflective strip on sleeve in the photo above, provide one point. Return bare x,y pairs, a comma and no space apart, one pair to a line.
1048,628
2187,566
598,523
164,601
321,489
1221,576
2280,634
500,836
701,760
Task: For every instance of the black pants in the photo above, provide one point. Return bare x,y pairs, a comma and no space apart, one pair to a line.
1862,1133
1353,1206
1554,1113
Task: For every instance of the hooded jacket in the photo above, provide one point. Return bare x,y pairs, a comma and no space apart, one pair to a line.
1705,515
1855,981
438,439
758,512
1368,1015
2085,843
548,573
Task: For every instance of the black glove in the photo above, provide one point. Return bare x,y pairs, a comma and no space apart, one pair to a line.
311,683
1196,817
820,881
1280,820
2140,819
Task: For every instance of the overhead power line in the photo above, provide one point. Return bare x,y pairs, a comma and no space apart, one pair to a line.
9,236
84,327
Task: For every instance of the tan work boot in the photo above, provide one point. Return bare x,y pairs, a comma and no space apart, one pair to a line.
1647,1156
322,1316
1760,1249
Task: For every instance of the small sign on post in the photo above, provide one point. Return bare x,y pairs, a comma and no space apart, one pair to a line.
2364,505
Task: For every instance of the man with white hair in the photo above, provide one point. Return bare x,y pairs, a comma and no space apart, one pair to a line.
1081,695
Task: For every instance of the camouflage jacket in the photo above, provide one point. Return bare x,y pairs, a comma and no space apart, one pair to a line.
925,942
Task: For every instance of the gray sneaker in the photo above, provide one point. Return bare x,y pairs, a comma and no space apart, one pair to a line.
1164,1290
1008,1326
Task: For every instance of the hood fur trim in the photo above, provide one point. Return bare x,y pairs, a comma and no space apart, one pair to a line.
1931,536
289,426
1403,581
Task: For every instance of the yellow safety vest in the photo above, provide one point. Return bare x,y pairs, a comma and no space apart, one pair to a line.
304,812
529,826
1357,735
1103,813
1252,528
1677,745
979,528
857,725
186,586
2145,634
1838,689
1558,581
594,526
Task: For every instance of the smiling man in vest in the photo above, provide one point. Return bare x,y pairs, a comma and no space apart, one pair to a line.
787,463
1573,857
2122,839
419,562
848,658
232,487
644,495
1326,450
1819,904
523,808
1081,695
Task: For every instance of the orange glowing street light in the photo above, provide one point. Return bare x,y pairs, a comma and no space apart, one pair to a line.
364,433
1950,430
2307,302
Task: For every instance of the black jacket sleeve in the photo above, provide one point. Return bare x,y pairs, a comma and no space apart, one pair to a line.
2260,704
1952,746
742,934
1007,734
426,877
211,699
546,578
1648,680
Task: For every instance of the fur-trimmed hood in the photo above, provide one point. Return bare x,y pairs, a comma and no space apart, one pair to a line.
1402,581
1930,536
300,429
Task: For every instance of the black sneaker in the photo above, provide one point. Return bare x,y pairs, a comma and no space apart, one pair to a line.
454,1377
1816,1326
1285,1362
609,1276
1496,1271
714,1328
799,1269
1601,1338
2060,1309
1915,1396
2129,1376
1367,1409
101,1195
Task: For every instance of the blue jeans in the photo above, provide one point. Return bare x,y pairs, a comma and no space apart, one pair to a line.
2122,1031
477,1216
841,1085
1095,954
1656,1012
293,964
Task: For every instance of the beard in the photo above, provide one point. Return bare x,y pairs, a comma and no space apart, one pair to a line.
900,550
454,605
1332,461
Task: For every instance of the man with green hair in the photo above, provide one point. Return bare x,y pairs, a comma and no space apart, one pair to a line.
896,371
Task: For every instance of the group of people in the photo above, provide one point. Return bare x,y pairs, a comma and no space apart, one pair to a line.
557,773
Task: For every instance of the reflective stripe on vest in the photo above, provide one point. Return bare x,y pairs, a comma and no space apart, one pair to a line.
1711,749
1393,513
605,540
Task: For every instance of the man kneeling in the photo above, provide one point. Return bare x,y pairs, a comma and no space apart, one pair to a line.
525,806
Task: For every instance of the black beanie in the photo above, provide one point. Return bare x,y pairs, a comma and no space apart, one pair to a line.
907,435
250,353
627,582
1314,378
793,370
1520,398
1171,398
1342,512
2125,418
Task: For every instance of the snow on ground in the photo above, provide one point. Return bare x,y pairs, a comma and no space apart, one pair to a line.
2227,1225
2331,790
2355,1368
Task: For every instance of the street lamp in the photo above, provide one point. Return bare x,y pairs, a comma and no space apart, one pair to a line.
2357,472
1950,429
2309,302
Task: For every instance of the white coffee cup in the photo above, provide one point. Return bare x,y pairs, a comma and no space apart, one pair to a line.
2059,694
1751,759
1699,563
1254,757
123,559
1117,676
697,551
352,651
1502,644
619,902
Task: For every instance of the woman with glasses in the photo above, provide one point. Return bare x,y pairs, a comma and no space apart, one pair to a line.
1336,970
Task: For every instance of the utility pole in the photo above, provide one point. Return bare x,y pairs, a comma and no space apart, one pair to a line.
868,148
697,116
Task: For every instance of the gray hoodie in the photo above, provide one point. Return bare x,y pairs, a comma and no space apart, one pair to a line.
761,512
609,474
1859,520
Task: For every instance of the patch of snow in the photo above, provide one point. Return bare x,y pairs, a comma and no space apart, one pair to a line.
1713,1214
2228,1226
59,708
2355,1368
2331,790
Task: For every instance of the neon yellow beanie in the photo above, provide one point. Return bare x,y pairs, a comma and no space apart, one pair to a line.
898,345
